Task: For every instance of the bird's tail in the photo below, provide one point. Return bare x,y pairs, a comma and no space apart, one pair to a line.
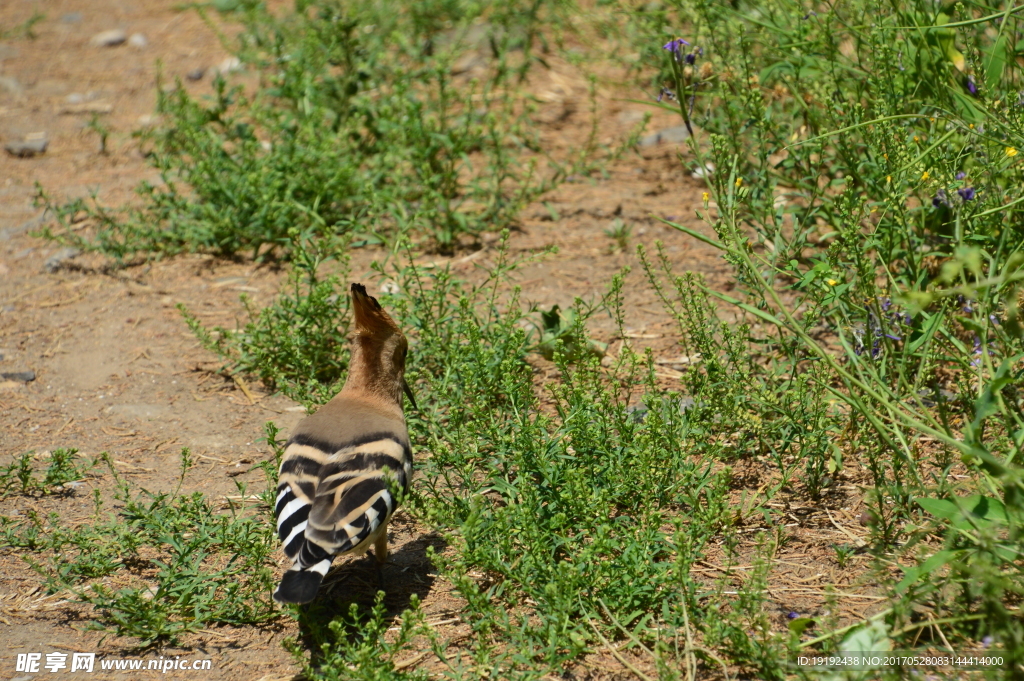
301,582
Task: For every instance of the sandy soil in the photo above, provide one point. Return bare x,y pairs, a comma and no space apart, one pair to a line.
117,370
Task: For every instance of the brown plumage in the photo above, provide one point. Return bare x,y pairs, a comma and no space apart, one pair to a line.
344,465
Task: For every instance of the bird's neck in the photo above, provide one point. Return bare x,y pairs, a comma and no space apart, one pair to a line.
371,377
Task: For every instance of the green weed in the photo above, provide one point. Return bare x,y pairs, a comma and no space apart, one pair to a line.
63,468
188,564
358,646
298,344
865,198
619,233
23,30
360,128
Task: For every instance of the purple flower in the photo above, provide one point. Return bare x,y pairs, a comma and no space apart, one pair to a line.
691,57
961,175
793,615
892,337
886,304
977,352
971,87
940,198
665,92
675,46
994,319
967,193
987,641
876,349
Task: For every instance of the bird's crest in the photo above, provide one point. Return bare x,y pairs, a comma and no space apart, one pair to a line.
371,319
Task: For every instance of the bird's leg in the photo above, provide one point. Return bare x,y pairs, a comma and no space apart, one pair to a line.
380,552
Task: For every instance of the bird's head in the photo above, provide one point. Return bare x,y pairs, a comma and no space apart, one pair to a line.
381,346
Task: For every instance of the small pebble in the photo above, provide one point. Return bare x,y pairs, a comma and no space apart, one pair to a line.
138,40
11,85
674,135
229,65
27,148
865,518
57,260
23,376
114,36
196,74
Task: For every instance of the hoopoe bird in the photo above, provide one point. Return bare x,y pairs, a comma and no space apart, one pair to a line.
343,465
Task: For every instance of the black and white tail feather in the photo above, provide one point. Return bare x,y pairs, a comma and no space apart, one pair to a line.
334,500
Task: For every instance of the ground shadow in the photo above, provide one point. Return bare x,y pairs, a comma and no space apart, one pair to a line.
408,571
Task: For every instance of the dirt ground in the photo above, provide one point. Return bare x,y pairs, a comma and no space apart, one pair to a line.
117,370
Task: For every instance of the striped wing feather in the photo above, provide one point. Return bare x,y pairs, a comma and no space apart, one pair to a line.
333,500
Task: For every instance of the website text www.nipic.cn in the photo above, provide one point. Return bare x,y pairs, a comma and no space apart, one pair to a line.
33,663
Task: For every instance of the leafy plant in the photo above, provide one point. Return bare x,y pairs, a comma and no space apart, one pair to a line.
189,564
619,232
358,646
360,129
298,344
63,468
868,318
560,332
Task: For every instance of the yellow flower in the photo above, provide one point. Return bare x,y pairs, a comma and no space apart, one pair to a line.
1010,151
739,180
705,196
831,282
918,139
925,176
971,126
888,179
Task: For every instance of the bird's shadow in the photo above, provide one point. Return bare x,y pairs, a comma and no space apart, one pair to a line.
408,572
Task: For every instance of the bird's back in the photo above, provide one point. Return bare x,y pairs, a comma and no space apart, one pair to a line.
342,470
